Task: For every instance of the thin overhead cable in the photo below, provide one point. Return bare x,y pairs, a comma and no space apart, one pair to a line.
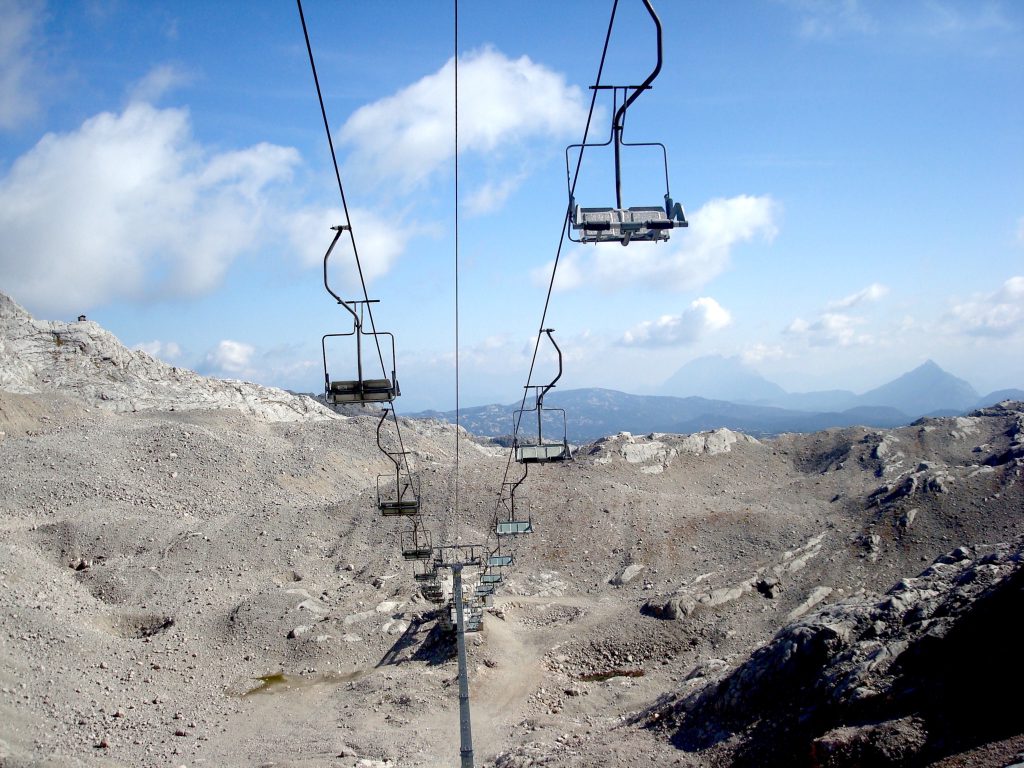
561,238
458,412
350,228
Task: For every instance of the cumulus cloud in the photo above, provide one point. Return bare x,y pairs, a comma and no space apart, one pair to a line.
19,62
829,330
130,205
690,259
491,195
948,20
409,136
998,314
168,351
380,242
825,19
704,315
230,357
873,292
757,353
157,82
281,366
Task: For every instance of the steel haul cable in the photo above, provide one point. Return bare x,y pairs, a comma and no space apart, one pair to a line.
558,252
458,413
351,233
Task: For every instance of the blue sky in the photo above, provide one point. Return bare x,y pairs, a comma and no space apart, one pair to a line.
853,173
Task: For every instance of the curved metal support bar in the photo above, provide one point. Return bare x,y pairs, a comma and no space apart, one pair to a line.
620,114
383,417
544,391
337,234
517,483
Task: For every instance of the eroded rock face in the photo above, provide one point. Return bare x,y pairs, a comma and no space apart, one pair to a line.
656,451
82,360
891,743
939,647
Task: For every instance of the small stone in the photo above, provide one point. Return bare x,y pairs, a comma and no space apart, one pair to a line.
180,732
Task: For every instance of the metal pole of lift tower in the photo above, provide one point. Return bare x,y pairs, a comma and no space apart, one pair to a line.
465,728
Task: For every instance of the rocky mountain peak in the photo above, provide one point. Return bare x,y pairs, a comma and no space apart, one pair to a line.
83,360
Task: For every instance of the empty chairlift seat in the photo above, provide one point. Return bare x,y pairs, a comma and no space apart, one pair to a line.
497,561
542,453
434,594
415,544
627,225
513,527
398,494
361,391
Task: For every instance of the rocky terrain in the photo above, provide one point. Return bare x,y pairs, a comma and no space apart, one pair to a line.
193,572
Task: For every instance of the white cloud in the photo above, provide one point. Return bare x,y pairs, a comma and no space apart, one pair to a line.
491,195
409,136
690,259
704,315
19,62
380,242
873,292
829,330
997,314
757,353
280,366
167,351
130,205
157,82
230,357
825,19
948,20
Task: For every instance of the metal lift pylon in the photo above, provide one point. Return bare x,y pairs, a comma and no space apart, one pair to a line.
465,725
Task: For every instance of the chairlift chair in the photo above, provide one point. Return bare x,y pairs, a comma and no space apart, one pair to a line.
415,543
509,518
398,495
497,560
646,223
360,389
426,575
513,527
539,451
490,578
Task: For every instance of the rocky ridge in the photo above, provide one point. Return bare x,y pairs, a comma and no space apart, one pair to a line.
88,363
874,681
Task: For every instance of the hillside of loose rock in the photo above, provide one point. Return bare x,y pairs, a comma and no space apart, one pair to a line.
83,361
193,578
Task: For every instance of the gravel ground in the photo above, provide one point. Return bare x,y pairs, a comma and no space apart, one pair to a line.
205,580
203,587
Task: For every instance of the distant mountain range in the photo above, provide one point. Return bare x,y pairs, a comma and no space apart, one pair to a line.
725,393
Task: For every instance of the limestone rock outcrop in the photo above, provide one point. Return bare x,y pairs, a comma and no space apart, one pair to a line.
86,362
918,673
